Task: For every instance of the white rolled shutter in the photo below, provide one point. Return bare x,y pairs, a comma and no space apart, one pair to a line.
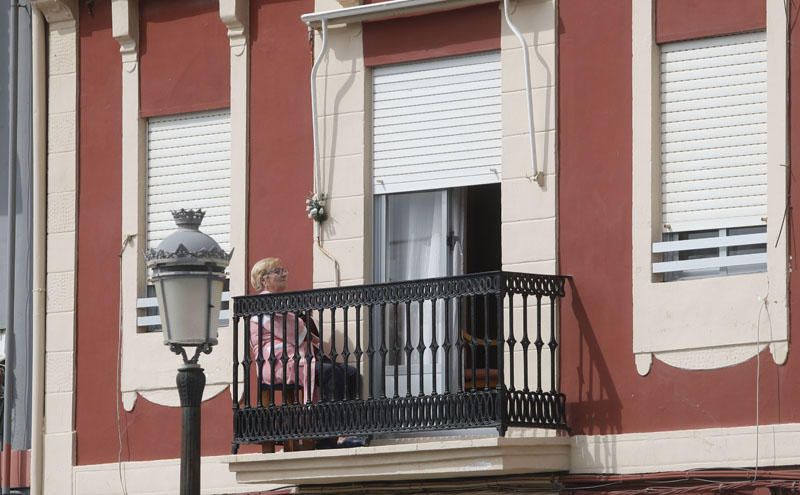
714,132
437,124
188,166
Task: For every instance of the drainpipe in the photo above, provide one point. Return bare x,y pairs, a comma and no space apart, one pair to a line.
314,127
536,174
39,248
5,484
318,186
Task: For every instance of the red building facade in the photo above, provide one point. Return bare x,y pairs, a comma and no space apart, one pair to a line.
656,386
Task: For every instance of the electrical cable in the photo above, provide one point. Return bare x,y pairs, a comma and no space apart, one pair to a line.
118,397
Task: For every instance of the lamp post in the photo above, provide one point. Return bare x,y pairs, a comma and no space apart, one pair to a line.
188,270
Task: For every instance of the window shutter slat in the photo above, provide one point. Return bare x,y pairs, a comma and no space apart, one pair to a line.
188,166
714,133
437,124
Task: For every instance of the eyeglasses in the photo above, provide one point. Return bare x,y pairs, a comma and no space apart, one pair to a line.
281,271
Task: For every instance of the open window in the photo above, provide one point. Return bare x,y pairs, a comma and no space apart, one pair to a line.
437,158
432,234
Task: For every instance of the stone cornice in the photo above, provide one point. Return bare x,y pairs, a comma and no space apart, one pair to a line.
235,15
57,10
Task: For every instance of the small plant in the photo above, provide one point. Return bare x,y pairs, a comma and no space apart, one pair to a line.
315,207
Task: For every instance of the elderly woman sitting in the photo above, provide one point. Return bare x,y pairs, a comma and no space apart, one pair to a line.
296,336
285,334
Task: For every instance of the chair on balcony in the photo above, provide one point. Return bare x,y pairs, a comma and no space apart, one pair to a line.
281,394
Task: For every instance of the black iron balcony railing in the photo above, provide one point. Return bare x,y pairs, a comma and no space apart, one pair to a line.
461,352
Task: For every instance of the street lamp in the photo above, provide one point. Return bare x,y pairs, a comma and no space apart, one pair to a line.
188,271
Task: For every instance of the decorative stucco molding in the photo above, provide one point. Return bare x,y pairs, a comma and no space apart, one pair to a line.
57,10
764,446
717,321
235,15
125,29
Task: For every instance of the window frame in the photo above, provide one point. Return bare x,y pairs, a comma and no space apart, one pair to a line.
739,311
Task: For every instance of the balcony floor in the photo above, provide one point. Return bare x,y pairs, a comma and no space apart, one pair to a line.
428,458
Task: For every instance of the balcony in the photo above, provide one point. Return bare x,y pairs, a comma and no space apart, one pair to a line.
425,356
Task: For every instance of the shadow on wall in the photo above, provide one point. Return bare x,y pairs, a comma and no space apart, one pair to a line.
541,159
594,407
328,157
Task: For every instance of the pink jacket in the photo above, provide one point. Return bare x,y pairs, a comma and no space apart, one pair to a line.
295,344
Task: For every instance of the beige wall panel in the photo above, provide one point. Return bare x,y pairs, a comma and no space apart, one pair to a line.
341,135
527,200
341,93
542,60
517,154
349,253
528,241
346,176
61,292
61,212
60,336
347,218
515,111
535,18
61,172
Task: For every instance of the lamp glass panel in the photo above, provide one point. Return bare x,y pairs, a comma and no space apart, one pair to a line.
187,315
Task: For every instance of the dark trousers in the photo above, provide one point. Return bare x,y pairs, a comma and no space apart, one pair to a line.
333,377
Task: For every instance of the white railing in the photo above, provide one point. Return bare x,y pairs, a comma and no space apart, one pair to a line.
722,260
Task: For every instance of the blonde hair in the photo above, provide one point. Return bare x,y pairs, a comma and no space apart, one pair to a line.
261,268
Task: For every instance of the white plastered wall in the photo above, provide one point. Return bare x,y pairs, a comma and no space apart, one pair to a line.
61,225
148,368
720,321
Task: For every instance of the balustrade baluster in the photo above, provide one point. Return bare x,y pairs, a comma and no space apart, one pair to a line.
382,350
539,343
473,346
434,344
553,344
235,361
345,352
309,356
333,356
511,341
271,358
358,353
408,348
486,338
296,356
371,350
321,356
459,345
246,365
284,358
260,360
526,343
421,348
395,350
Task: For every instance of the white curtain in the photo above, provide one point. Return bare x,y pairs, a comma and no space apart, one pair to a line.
416,247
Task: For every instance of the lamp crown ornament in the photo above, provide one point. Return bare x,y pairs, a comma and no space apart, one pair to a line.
189,219
188,243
